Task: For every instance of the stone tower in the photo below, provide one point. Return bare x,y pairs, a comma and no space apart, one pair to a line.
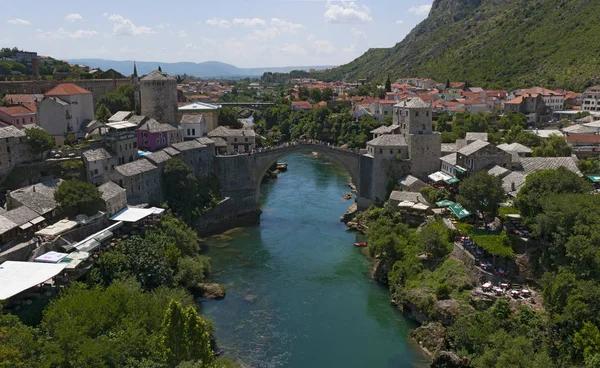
424,145
158,92
136,90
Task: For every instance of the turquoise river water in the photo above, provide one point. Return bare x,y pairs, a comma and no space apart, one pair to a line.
299,293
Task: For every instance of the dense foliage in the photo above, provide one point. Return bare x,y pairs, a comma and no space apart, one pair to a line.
120,100
76,197
39,141
494,44
481,192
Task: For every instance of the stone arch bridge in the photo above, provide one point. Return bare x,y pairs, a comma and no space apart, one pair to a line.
240,176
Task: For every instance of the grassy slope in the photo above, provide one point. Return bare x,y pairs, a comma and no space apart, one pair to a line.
501,43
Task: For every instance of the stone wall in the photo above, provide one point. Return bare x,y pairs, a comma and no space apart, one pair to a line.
98,87
159,100
226,215
425,152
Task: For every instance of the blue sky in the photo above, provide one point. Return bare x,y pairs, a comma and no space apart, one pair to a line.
246,33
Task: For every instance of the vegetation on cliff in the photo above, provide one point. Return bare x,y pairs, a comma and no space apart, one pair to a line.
494,44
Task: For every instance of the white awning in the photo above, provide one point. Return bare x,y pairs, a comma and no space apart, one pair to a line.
25,226
421,207
87,246
439,176
16,277
406,204
37,220
58,228
131,214
51,257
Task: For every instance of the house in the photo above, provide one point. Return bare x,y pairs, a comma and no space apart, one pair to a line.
20,222
513,181
64,109
410,183
476,136
98,162
449,164
193,126
552,99
382,108
591,99
238,140
392,129
301,106
480,155
121,141
38,197
141,180
208,111
532,105
13,148
198,156
398,197
120,116
17,115
584,140
113,196
388,146
516,148
152,135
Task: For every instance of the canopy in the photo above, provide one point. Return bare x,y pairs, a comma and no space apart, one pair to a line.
16,277
444,203
132,214
51,257
452,180
439,176
594,178
75,259
460,169
459,211
421,207
88,245
406,204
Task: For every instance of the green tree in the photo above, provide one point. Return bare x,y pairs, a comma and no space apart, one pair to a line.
388,84
39,141
180,188
228,117
542,184
102,113
481,192
435,240
553,146
78,197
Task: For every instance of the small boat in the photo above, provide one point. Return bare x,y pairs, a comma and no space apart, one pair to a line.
360,245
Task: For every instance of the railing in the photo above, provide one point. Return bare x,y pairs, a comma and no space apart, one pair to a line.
286,145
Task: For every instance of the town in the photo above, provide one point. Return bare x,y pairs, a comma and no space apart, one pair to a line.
146,145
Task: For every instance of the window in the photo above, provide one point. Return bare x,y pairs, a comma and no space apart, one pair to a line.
95,171
391,152
381,150
423,126
246,139
416,113
193,131
235,139
406,113
188,132
157,140
134,144
427,113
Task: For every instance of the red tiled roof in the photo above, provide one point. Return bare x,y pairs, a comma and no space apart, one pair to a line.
583,138
16,110
20,98
67,89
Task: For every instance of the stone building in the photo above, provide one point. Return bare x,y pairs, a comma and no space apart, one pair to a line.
120,140
208,111
198,156
113,196
390,146
13,149
193,126
98,162
153,136
591,99
158,94
64,109
238,140
481,155
416,126
38,197
141,180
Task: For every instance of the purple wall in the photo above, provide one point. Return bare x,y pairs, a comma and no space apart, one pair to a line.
148,142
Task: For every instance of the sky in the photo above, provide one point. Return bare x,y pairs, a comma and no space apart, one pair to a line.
245,33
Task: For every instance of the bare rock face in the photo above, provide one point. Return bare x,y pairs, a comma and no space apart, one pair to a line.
431,337
210,291
380,271
447,359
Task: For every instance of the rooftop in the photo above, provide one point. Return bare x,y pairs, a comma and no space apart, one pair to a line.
414,103
158,157
136,167
219,142
16,110
21,215
11,132
198,106
205,141
498,171
120,116
223,131
532,164
39,197
515,147
402,196
67,89
473,147
187,145
96,154
154,126
156,76
110,190
449,159
171,151
192,119
473,136
388,140
17,277
137,119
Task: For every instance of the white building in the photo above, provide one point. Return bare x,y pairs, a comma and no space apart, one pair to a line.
193,126
210,113
591,99
238,140
64,109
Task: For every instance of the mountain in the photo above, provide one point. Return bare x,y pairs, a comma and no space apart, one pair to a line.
494,44
208,69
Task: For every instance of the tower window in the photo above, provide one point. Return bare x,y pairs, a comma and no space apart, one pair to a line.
416,113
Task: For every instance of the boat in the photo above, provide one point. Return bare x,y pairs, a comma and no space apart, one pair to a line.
360,245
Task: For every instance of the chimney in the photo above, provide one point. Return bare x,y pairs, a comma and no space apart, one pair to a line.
512,186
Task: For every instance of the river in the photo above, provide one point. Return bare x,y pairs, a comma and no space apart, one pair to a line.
299,293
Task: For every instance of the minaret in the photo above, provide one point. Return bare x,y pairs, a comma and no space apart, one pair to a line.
136,91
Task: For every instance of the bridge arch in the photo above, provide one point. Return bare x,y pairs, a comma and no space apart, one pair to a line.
349,160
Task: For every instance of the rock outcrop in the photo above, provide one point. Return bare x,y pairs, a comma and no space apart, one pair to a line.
447,359
431,337
210,291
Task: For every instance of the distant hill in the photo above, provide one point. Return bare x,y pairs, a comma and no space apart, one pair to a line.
208,69
493,43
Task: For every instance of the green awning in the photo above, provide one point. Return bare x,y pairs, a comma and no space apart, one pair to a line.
453,180
594,178
460,169
459,211
444,203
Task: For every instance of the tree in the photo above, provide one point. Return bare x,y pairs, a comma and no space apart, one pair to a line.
180,187
554,146
159,69
228,117
327,94
481,192
388,84
434,240
39,141
103,113
542,184
115,101
78,197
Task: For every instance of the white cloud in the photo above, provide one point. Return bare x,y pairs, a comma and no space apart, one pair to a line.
254,22
221,23
182,34
285,26
293,49
203,43
123,26
351,48
74,17
347,12
61,33
323,47
399,22
420,10
358,34
19,21
267,33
